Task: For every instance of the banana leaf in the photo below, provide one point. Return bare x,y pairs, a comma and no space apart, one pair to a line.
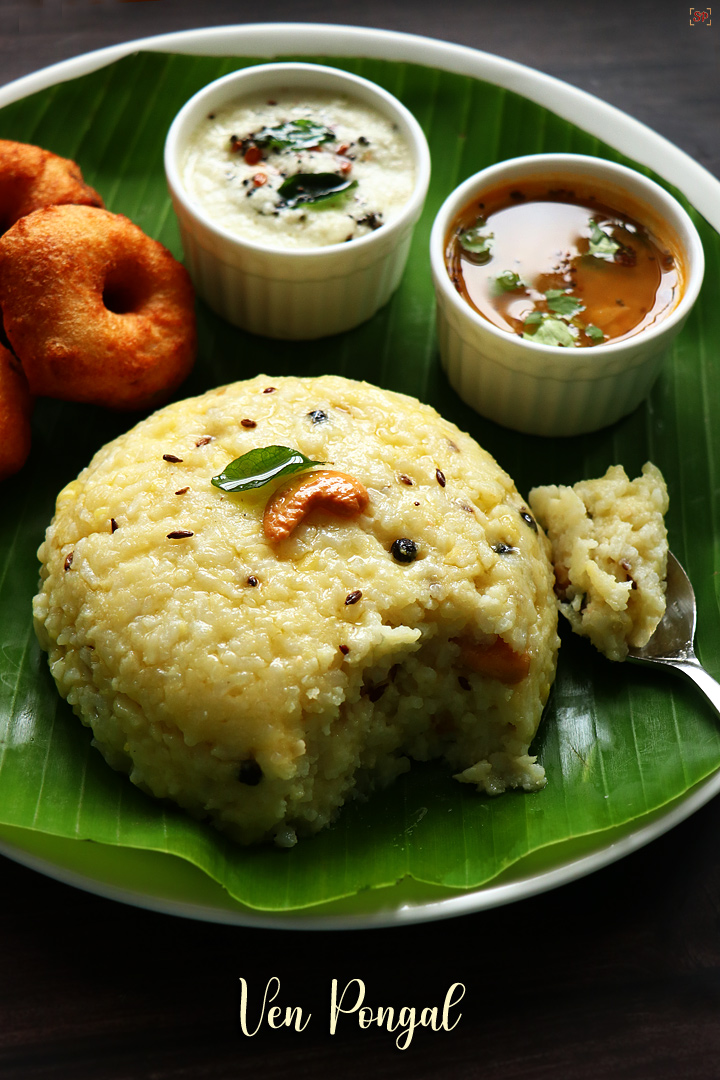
618,743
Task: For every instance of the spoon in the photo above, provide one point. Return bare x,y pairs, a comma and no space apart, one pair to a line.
672,642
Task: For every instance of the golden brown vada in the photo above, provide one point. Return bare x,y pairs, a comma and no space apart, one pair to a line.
16,406
95,310
32,178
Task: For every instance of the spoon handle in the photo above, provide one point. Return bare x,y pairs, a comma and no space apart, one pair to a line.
693,669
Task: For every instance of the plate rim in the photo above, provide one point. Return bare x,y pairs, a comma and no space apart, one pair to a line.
606,122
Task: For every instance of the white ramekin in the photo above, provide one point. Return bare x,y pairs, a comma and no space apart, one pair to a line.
297,293
547,389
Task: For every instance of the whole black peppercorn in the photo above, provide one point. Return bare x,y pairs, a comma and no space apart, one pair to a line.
318,416
249,772
502,549
404,550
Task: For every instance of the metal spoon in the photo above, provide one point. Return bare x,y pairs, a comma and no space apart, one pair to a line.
672,642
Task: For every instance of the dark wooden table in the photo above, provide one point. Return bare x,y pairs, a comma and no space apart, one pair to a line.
616,975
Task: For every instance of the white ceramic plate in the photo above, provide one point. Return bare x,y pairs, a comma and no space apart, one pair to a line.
168,884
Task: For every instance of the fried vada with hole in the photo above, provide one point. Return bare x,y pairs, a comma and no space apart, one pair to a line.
95,310
16,405
32,178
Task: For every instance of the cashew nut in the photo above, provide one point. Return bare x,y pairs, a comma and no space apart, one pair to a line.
498,660
334,492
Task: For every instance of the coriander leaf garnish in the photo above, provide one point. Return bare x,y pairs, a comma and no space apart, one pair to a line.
562,303
478,242
549,331
298,134
303,188
508,281
594,332
601,243
261,465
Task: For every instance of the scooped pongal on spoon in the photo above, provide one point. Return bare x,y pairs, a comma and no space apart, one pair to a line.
609,548
262,678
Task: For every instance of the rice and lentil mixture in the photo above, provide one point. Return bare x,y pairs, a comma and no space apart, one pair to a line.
261,683
609,549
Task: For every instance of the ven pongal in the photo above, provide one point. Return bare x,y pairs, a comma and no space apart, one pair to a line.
259,679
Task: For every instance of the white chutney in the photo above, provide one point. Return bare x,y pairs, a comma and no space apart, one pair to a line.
244,166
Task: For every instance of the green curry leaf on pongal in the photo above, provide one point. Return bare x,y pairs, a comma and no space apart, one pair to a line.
261,465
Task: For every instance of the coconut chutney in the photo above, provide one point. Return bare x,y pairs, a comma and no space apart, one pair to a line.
299,170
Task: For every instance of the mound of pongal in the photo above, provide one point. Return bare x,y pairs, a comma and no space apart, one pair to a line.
259,678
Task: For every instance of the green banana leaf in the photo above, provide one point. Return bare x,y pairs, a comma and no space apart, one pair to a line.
618,743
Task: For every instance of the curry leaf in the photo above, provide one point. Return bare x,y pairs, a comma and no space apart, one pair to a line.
312,188
261,465
298,134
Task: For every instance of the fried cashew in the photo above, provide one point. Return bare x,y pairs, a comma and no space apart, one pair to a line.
335,492
497,660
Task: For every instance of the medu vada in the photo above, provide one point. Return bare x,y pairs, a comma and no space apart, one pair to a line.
32,178
16,404
95,310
